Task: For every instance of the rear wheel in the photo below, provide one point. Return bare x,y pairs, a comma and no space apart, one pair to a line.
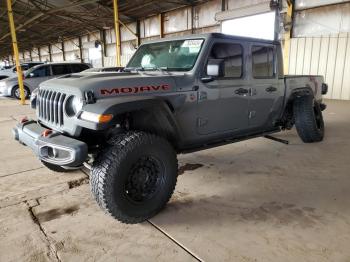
134,179
17,94
308,119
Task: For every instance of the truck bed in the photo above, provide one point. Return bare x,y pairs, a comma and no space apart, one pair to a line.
300,81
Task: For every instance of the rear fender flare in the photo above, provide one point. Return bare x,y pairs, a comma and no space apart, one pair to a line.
299,92
295,94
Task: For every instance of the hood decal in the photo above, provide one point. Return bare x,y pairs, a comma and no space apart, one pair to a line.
135,90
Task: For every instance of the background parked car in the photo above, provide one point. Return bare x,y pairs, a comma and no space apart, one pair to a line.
6,67
105,69
12,71
38,74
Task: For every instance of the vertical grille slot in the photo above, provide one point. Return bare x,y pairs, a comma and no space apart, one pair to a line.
55,108
50,106
60,111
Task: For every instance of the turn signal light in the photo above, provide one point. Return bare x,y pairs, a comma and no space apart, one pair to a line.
46,132
105,118
97,118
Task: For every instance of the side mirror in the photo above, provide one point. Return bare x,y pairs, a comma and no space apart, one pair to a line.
31,75
215,67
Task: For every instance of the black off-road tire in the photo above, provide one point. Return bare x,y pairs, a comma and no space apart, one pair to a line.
134,178
55,168
308,119
15,92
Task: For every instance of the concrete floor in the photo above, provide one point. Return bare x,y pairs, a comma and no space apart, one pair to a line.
257,200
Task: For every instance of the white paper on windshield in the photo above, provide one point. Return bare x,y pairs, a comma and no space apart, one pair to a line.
193,44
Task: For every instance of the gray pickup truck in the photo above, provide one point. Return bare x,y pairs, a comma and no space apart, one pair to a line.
175,96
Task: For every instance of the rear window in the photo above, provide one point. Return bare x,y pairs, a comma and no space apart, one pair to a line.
33,64
76,68
61,69
263,61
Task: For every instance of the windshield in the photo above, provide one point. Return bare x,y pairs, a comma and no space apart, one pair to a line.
177,55
30,70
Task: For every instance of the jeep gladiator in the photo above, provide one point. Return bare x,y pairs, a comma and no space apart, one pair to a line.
176,95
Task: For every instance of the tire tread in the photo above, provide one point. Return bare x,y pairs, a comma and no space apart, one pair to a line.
102,171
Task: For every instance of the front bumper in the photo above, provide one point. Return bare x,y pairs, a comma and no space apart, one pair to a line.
56,148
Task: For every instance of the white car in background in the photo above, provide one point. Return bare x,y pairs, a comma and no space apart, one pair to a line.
12,72
38,74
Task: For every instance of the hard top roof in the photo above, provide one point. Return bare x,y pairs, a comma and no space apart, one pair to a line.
214,35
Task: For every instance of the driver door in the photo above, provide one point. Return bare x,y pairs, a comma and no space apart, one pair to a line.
38,76
223,101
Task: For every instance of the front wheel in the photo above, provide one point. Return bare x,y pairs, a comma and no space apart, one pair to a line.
308,119
135,178
17,94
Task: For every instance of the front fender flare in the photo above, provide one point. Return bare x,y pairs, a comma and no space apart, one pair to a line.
161,109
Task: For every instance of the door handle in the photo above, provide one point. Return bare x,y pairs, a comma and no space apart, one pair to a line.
241,91
271,89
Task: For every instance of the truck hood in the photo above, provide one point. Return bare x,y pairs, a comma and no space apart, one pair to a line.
110,84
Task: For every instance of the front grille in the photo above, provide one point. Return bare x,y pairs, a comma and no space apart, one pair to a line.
50,106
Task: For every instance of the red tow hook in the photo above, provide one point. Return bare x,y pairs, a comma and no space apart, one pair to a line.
23,120
46,132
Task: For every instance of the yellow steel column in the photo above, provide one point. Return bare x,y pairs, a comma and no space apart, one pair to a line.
286,42
15,50
161,28
117,31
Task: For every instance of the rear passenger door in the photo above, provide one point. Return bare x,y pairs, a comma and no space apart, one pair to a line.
61,69
266,88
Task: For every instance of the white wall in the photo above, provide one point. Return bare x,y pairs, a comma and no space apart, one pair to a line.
326,20
321,44
304,4
328,56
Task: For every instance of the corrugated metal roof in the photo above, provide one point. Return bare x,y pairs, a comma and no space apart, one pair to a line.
40,22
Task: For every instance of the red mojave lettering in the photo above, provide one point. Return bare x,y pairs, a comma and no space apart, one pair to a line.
135,90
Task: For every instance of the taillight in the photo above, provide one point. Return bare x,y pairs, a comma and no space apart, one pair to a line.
23,77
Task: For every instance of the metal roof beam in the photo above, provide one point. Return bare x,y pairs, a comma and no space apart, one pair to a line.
51,11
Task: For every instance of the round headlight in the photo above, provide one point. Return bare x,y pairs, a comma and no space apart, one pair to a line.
34,93
33,99
73,105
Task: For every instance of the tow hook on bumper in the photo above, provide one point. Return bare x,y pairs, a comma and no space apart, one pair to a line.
55,148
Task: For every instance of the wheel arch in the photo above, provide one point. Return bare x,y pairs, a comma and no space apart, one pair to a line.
153,115
299,92
287,115
17,85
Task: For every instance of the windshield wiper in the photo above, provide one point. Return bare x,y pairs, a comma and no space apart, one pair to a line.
129,69
162,69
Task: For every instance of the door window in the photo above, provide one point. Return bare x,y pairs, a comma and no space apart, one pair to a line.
61,69
232,54
41,72
263,62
